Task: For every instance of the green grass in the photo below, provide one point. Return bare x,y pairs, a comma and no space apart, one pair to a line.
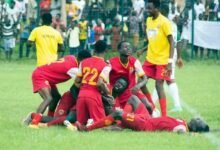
199,87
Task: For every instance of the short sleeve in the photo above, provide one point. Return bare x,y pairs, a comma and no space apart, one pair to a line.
167,28
138,68
79,74
105,73
33,36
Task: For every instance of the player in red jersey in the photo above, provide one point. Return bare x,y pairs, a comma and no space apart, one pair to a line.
89,102
45,78
140,120
128,67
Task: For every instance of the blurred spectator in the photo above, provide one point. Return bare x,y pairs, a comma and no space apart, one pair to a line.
98,31
138,6
45,6
3,11
13,12
72,11
73,36
108,33
91,37
32,9
80,4
8,35
59,25
21,6
23,40
83,32
200,9
95,10
55,7
134,29
116,35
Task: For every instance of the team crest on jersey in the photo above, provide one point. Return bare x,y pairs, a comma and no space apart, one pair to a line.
131,70
61,112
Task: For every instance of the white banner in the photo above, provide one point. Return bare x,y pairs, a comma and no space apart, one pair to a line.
207,34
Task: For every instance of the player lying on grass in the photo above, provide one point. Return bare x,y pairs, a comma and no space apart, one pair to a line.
138,118
46,77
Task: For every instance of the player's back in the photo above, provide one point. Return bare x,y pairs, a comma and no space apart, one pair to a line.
57,71
90,70
165,124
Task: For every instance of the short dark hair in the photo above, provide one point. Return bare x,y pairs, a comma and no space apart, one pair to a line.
120,44
100,46
155,2
47,18
164,9
83,54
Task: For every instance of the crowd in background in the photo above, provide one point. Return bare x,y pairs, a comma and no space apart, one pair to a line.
87,22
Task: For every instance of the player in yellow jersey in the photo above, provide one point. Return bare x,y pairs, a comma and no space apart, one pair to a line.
158,64
48,41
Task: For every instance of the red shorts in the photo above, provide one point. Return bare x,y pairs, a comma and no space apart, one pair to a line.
65,104
89,108
157,72
136,120
39,82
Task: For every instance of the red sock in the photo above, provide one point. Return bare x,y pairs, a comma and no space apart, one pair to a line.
149,98
50,113
128,108
36,118
57,121
163,106
106,121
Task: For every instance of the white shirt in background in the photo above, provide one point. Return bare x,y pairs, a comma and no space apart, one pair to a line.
73,37
200,9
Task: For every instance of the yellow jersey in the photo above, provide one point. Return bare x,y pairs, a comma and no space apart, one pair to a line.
46,39
83,30
158,45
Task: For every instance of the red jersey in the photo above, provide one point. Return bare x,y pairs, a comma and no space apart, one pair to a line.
128,71
60,70
165,124
90,70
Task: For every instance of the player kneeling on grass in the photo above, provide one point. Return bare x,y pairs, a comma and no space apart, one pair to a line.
139,119
46,77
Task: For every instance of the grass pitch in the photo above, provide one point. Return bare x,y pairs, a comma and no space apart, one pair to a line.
199,87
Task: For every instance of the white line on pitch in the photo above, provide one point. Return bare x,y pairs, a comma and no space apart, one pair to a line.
211,137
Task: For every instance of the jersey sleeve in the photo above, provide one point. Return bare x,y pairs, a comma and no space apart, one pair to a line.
167,28
138,68
105,73
32,36
79,74
73,72
180,128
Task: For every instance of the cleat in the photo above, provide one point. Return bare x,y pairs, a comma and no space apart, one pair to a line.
80,127
33,126
69,126
26,121
176,109
156,113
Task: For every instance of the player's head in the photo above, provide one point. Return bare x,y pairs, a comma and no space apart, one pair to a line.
153,7
100,47
120,85
83,55
198,125
46,19
125,48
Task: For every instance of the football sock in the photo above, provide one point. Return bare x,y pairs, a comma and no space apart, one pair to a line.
57,121
149,98
50,113
106,121
128,108
174,93
36,118
163,106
